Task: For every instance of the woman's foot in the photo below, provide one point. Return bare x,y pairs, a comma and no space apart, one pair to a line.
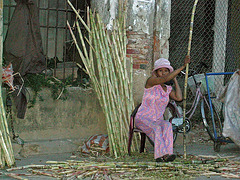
169,158
160,159
166,158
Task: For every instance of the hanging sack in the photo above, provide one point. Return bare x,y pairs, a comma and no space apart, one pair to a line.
231,97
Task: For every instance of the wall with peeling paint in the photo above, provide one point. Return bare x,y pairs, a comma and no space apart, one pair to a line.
141,15
144,16
148,31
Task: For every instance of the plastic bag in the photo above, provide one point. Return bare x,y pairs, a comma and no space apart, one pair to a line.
231,97
96,143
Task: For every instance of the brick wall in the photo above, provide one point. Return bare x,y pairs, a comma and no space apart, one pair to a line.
140,48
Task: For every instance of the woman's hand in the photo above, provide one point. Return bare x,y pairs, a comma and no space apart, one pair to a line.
187,60
175,80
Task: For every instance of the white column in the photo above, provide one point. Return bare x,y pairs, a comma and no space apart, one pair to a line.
220,39
220,35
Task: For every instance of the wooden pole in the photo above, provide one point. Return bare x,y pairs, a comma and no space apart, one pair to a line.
186,79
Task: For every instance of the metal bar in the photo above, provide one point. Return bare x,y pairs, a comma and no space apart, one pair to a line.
9,14
52,9
38,5
211,108
66,30
47,34
210,98
56,39
74,47
220,73
9,5
59,27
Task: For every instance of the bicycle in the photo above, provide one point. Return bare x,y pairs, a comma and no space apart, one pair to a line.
204,93
175,115
212,118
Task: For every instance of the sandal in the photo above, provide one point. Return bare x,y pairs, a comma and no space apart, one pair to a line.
169,158
162,158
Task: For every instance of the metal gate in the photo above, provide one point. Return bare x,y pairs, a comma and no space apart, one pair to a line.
58,46
216,35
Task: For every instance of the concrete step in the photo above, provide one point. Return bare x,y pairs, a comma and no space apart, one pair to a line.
46,147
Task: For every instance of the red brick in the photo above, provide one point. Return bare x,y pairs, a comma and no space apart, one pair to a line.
136,66
132,51
131,46
140,62
131,32
132,41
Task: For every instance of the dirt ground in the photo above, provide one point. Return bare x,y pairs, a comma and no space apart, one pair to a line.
201,163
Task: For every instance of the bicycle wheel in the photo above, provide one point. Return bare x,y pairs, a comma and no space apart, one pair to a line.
215,132
169,114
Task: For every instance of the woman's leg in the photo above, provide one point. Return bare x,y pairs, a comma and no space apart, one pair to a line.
160,132
163,139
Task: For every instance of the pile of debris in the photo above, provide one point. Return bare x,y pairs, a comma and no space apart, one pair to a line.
74,169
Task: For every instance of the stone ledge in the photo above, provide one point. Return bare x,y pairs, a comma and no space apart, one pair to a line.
46,147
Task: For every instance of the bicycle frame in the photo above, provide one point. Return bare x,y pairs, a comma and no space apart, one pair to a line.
178,120
210,98
191,111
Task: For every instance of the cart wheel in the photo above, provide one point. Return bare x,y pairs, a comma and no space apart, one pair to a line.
217,146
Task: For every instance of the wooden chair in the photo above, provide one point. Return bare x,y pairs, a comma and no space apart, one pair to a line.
133,129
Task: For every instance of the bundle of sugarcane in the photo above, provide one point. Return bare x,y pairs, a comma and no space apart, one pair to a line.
106,64
6,151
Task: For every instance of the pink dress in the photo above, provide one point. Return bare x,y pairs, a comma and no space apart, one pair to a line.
149,119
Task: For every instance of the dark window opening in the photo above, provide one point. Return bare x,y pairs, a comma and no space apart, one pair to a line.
59,49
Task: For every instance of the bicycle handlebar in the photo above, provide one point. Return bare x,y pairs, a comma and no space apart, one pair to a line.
192,73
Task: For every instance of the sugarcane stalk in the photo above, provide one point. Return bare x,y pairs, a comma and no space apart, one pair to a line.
6,131
44,173
185,82
113,84
94,79
81,169
115,98
15,176
123,129
106,103
108,86
78,16
5,141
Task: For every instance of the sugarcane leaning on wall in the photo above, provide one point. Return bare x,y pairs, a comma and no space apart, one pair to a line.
6,150
106,65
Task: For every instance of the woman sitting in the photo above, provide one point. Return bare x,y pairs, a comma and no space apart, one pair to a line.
149,117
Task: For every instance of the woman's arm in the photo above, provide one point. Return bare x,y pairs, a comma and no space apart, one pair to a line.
177,93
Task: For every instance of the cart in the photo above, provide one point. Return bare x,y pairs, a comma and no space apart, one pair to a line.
212,110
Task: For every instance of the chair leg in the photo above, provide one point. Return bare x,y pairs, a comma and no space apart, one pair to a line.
130,142
143,140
